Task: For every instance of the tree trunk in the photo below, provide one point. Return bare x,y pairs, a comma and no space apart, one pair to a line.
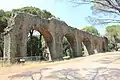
31,34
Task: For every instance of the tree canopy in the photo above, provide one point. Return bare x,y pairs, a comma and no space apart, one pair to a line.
104,12
113,34
34,43
110,10
113,30
35,11
91,29
5,15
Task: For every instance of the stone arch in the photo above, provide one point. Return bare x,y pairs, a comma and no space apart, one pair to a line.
18,41
86,46
47,37
67,49
46,34
16,35
72,42
105,44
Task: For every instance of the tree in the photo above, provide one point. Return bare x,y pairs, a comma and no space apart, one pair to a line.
107,7
113,30
35,11
104,11
4,16
31,10
91,29
113,36
34,42
46,14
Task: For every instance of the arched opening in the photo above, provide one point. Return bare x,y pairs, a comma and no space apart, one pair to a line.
48,40
86,47
38,44
70,44
106,44
34,45
67,50
16,44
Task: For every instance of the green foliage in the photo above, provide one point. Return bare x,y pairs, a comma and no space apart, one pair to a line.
5,15
113,30
31,10
35,11
34,43
111,44
46,14
91,29
65,42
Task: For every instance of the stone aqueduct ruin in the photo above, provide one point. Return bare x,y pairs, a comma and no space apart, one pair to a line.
53,31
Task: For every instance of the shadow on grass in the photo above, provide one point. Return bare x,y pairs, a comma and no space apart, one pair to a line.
103,73
29,74
65,74
100,73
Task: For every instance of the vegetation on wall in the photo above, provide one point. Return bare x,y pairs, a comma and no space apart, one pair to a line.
5,15
91,30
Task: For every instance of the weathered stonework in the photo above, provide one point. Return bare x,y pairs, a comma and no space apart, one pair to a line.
53,30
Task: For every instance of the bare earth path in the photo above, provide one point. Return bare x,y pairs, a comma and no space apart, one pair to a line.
102,66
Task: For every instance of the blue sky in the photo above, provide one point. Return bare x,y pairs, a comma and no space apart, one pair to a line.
73,16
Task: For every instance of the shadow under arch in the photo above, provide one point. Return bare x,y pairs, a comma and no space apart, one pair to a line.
71,40
47,37
86,44
67,50
103,46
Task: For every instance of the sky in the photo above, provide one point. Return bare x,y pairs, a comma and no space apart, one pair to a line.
74,16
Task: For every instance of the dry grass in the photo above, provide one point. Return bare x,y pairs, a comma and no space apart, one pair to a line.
96,61
7,68
32,65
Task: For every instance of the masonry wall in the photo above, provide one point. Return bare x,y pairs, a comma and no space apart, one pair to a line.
53,30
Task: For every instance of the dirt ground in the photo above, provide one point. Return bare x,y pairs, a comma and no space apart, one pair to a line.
101,66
